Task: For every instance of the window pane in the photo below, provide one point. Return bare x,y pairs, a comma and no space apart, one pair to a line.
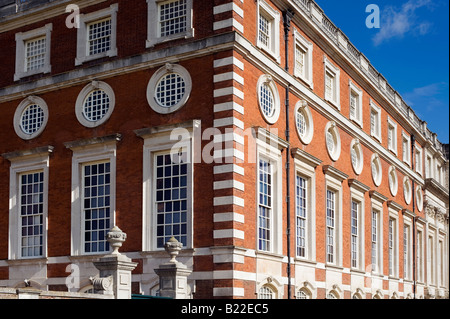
172,207
35,54
96,208
265,205
31,216
172,17
99,36
301,216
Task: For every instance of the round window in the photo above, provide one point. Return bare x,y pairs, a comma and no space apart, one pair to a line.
376,169
407,190
304,122
268,99
333,141
393,184
356,156
95,104
169,88
30,118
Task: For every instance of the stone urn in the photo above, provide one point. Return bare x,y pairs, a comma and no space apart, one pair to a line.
116,237
173,248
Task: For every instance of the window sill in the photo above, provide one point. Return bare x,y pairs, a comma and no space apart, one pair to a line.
268,255
28,260
271,53
150,43
83,59
358,271
333,103
331,266
306,262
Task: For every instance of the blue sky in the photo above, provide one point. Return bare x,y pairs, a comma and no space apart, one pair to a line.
410,49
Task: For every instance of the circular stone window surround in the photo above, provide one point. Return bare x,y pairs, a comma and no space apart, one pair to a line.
355,146
155,80
29,101
302,107
407,189
266,79
332,129
393,180
377,174
84,94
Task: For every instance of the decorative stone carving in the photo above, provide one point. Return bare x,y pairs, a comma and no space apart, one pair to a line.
102,285
173,274
116,237
115,269
173,248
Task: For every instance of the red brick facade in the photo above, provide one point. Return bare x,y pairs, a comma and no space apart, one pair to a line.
225,65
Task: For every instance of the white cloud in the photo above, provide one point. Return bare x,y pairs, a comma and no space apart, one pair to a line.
427,98
396,22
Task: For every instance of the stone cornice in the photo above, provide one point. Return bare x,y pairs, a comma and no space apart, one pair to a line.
437,189
305,157
38,151
270,138
353,183
334,172
377,196
113,138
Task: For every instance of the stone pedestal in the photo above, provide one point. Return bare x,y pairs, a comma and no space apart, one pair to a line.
115,269
173,275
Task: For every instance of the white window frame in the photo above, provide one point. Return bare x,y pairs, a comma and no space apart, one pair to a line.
429,166
82,34
305,166
87,152
375,109
79,104
406,148
168,68
332,128
335,74
392,142
393,180
307,48
431,256
418,158
302,106
25,163
266,79
377,206
394,258
153,24
263,8
273,155
333,183
355,145
18,117
357,117
158,140
357,195
407,254
407,190
418,193
420,253
21,39
377,176
442,260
